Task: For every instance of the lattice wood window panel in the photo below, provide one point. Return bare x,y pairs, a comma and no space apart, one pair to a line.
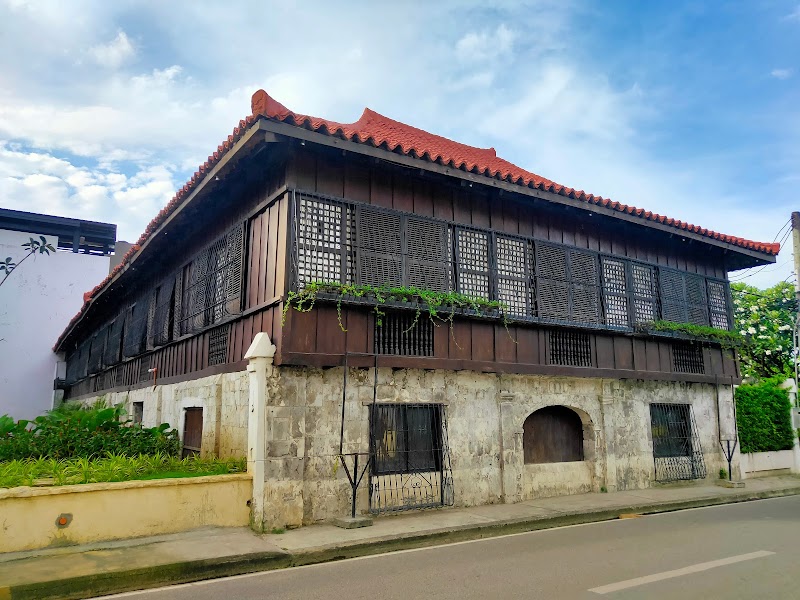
163,320
214,287
515,281
615,292
135,334
78,362
718,305
398,334
379,239
688,358
218,345
324,238
644,292
427,265
570,348
472,263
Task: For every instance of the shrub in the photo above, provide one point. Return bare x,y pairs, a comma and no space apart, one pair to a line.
73,431
112,468
763,417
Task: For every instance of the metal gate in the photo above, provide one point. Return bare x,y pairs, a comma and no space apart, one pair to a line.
410,458
676,446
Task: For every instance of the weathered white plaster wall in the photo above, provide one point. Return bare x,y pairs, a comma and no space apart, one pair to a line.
36,303
223,398
763,464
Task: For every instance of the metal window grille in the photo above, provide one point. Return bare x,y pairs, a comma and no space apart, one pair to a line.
399,334
515,288
687,358
677,452
324,236
214,287
644,292
472,262
410,465
718,305
552,284
427,267
379,252
135,334
218,345
163,320
570,348
113,352
615,292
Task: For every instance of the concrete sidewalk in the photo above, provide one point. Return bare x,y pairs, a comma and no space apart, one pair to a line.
104,568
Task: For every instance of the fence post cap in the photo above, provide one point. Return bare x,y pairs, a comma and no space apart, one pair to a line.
262,347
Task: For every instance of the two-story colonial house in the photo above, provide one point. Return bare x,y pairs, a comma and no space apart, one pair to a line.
558,377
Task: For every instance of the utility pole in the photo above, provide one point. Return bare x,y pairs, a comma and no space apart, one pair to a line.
796,256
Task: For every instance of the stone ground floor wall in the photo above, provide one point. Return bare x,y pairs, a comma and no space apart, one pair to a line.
485,414
223,398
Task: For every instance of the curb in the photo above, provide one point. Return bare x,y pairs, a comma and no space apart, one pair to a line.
142,578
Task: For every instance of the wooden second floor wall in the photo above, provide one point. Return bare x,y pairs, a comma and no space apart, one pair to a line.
259,198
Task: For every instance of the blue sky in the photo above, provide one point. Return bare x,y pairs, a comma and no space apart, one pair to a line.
689,109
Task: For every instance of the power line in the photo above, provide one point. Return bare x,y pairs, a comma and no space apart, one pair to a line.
743,277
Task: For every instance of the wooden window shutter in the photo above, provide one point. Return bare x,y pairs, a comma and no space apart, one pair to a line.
163,315
427,266
584,284
552,283
673,296
113,352
135,335
379,247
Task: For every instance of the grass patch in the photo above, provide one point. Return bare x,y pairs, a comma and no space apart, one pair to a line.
111,468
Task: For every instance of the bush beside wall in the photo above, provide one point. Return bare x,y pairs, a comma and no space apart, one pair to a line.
763,416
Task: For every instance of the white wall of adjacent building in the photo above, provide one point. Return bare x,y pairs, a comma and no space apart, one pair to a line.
36,304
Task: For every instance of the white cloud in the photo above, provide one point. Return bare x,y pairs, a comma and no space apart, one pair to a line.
115,53
485,45
794,15
782,73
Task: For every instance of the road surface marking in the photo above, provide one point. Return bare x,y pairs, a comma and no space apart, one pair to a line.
629,583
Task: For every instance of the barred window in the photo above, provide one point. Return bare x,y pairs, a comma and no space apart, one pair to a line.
570,348
515,287
213,283
218,345
688,358
399,334
718,304
472,260
406,438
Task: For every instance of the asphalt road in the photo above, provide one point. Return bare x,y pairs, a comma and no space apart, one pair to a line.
749,550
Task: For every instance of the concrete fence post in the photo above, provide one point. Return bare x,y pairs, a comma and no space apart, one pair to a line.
259,368
791,387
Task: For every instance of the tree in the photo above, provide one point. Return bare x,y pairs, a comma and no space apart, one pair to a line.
32,247
765,318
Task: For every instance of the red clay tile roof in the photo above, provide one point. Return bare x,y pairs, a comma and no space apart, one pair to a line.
376,130
379,131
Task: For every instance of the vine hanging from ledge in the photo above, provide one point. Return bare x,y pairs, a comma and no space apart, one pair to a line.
727,339
439,306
